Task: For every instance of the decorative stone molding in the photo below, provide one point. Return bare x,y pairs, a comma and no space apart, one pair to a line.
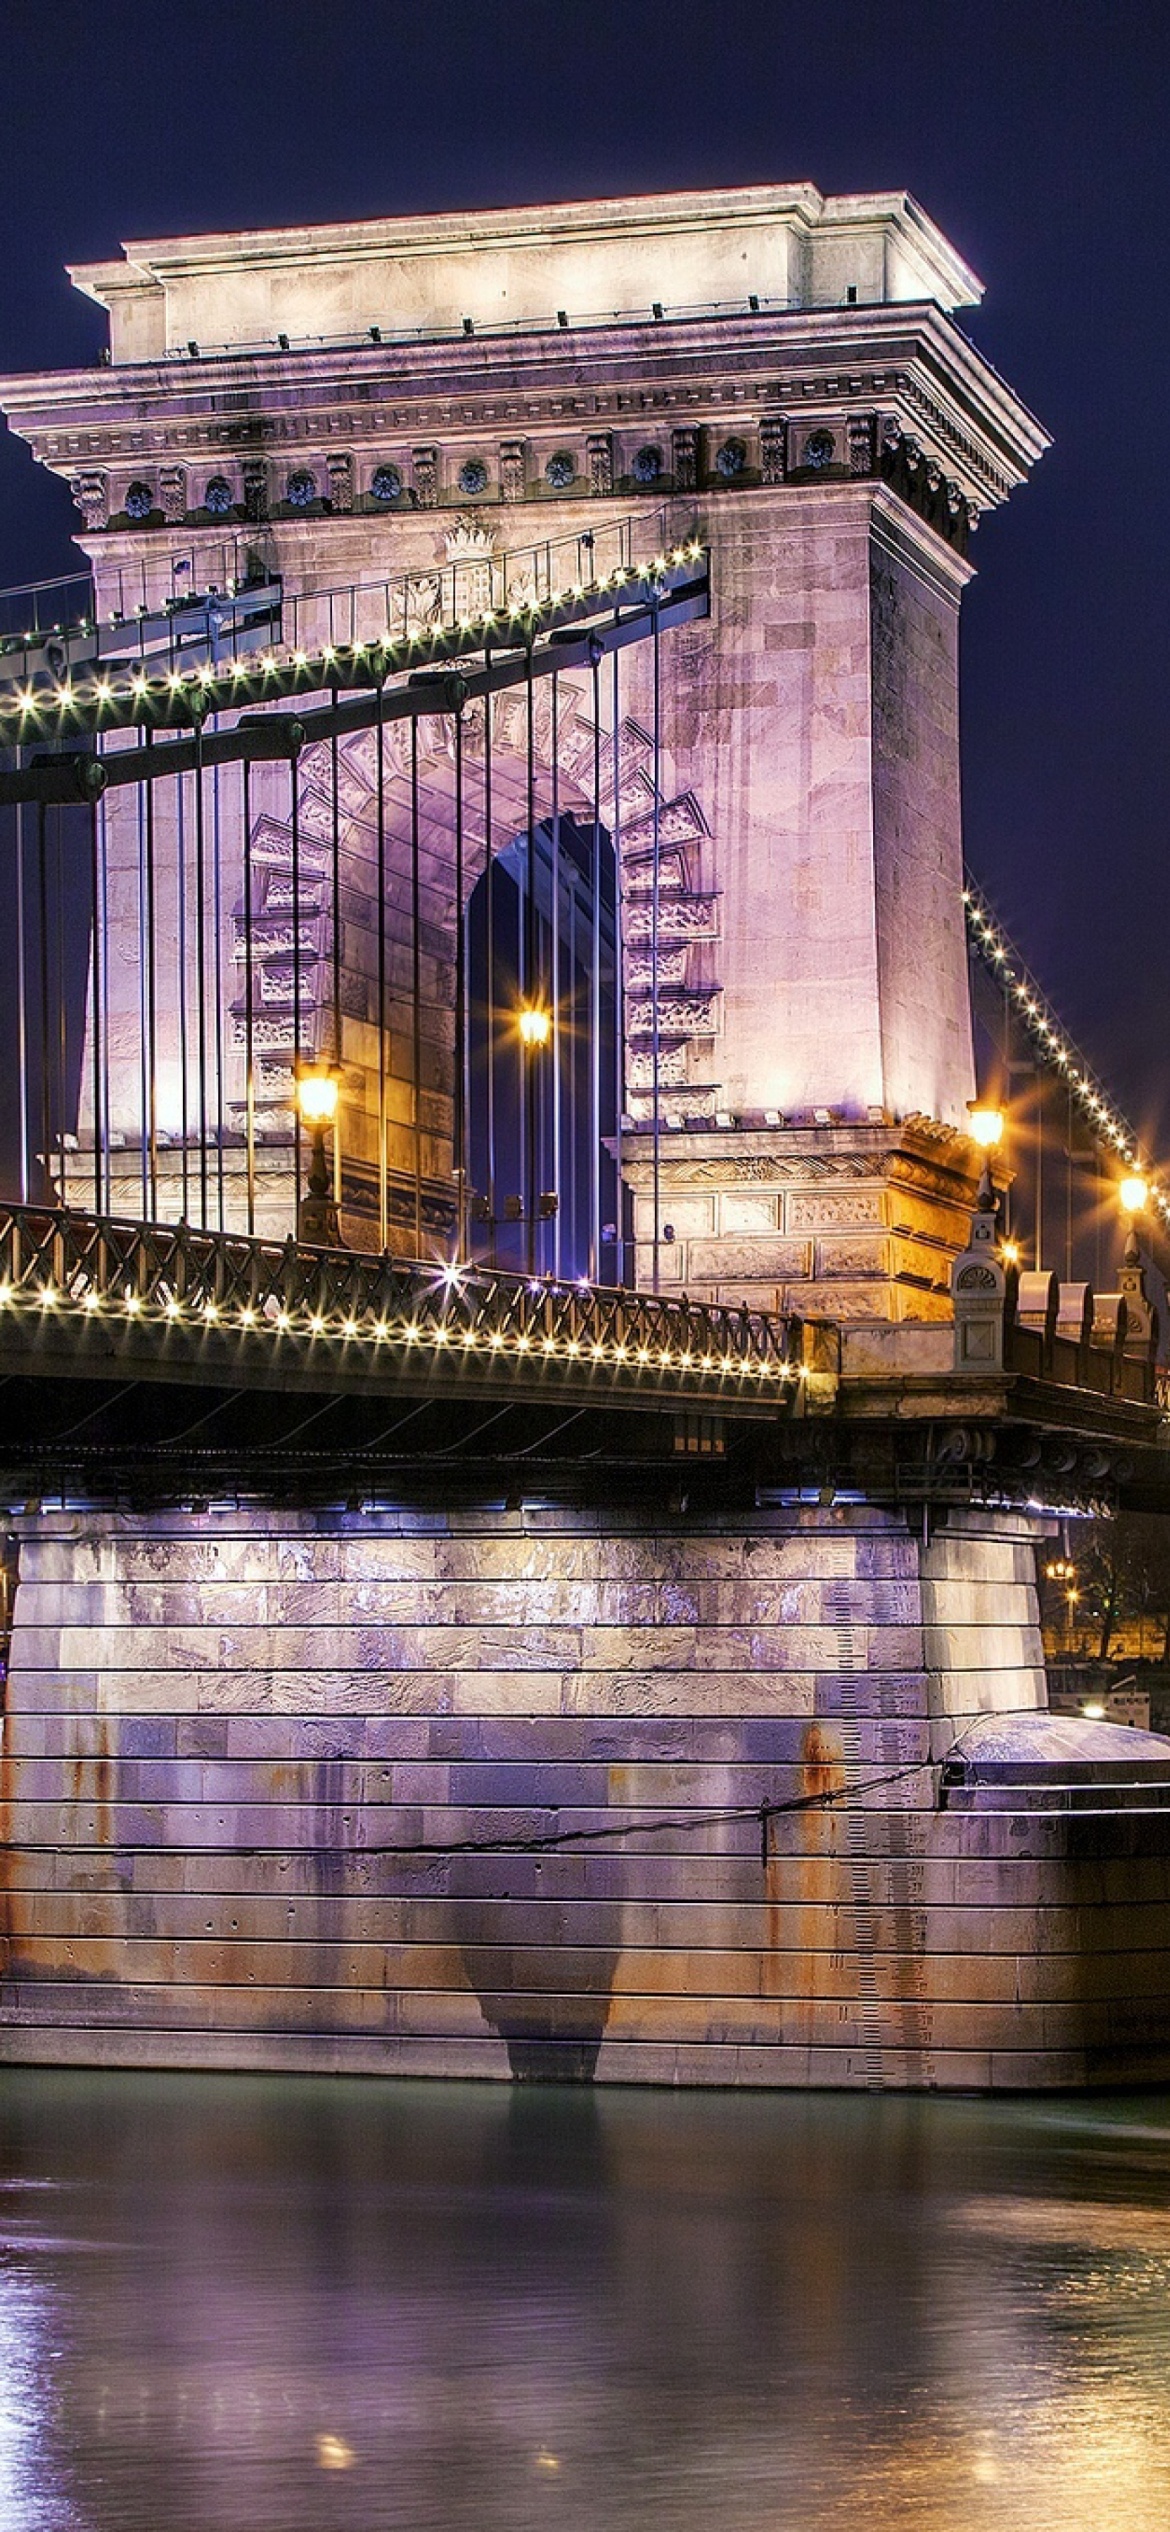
340,470
684,459
773,434
861,436
513,472
679,1015
818,448
680,918
91,492
599,448
672,1067
425,462
918,480
172,494
471,540
255,490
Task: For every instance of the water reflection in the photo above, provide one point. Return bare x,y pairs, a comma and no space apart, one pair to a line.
228,2303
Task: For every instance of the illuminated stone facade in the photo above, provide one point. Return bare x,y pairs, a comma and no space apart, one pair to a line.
774,370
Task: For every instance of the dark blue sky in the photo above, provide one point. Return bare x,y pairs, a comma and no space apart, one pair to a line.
1035,134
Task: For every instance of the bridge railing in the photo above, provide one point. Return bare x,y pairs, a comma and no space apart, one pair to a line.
63,1262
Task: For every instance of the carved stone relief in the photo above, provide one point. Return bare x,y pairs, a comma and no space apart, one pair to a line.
340,469
599,449
425,462
91,492
512,470
172,493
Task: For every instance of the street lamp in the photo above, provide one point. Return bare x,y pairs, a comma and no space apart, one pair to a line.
985,1127
1133,1194
317,1223
534,1024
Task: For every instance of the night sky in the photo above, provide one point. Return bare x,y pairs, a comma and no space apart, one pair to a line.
1035,134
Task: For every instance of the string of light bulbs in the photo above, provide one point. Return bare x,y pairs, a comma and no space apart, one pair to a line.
1057,1051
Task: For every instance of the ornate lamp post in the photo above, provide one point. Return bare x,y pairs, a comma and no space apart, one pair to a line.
317,1223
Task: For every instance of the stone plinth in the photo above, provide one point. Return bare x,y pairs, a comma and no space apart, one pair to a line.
845,1221
286,1790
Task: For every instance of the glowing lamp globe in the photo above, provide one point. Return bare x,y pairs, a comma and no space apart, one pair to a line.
317,1098
535,1027
986,1127
1134,1193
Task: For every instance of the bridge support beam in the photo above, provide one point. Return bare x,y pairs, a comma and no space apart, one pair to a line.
553,1792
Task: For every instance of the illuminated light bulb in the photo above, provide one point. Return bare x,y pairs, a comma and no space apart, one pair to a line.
247,1316
93,1301
535,1026
133,1305
210,1310
524,1345
316,1096
470,1338
48,1297
317,1323
1010,1252
986,1126
440,1336
1134,1193
300,659
621,1353
573,1346
644,1354
349,1327
5,1295
174,1308
381,1330
598,1353
283,1319
495,1340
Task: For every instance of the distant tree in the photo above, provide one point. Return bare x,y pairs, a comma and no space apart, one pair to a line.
1122,1577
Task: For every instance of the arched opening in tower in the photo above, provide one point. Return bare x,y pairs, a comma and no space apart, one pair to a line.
543,1055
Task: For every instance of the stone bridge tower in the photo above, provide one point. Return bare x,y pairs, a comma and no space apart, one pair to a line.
777,371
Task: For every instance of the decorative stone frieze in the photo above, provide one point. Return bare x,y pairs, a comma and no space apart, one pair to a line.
679,1015
680,918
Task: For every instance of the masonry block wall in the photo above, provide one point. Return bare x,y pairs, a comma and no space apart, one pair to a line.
338,1790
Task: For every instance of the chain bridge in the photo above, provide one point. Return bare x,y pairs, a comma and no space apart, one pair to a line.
556,1264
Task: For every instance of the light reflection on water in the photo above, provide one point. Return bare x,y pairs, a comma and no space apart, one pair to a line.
259,2305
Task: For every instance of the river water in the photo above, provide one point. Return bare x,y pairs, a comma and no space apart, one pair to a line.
236,2304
